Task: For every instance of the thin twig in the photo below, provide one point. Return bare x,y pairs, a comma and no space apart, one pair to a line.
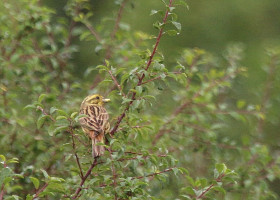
267,92
77,158
116,82
187,103
94,32
77,192
108,51
40,191
120,118
2,192
158,77
113,174
219,179
44,112
149,175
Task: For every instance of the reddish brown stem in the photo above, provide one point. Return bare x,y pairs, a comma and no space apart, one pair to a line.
2,192
120,118
84,179
40,191
94,32
116,82
77,158
219,179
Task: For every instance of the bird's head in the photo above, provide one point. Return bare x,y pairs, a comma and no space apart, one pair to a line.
95,99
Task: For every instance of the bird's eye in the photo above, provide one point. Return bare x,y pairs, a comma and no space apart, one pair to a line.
97,97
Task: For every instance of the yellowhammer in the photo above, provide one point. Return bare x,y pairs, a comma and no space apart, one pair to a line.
96,124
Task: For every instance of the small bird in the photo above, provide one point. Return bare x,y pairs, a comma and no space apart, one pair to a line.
96,124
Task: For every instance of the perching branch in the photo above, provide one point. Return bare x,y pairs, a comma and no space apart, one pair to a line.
76,194
120,118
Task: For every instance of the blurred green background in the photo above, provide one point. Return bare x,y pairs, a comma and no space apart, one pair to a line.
210,25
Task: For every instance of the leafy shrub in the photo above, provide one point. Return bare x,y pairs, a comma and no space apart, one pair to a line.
176,126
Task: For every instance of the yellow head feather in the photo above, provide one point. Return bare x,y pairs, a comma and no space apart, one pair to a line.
95,99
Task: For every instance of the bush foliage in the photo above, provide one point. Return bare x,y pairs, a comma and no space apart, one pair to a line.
178,129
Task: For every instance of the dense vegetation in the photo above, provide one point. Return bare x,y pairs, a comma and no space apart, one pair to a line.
179,127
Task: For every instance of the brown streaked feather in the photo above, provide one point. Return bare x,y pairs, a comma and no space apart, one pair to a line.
95,124
96,120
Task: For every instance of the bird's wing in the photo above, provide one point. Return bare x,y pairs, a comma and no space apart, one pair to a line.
96,120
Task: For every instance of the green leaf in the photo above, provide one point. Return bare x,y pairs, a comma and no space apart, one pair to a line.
3,158
29,106
62,112
219,189
221,168
7,180
189,190
5,173
52,110
157,25
177,25
138,90
124,78
35,182
41,120
79,117
13,160
60,117
153,12
29,197
45,173
241,104
186,196
41,98
74,114
172,32
57,180
58,129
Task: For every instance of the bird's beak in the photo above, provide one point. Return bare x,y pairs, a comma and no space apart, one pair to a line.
106,100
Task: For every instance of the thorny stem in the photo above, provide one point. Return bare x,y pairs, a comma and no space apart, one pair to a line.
120,118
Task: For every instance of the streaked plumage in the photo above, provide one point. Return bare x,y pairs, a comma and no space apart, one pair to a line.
96,125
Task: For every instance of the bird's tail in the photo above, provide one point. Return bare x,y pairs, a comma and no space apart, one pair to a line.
97,150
